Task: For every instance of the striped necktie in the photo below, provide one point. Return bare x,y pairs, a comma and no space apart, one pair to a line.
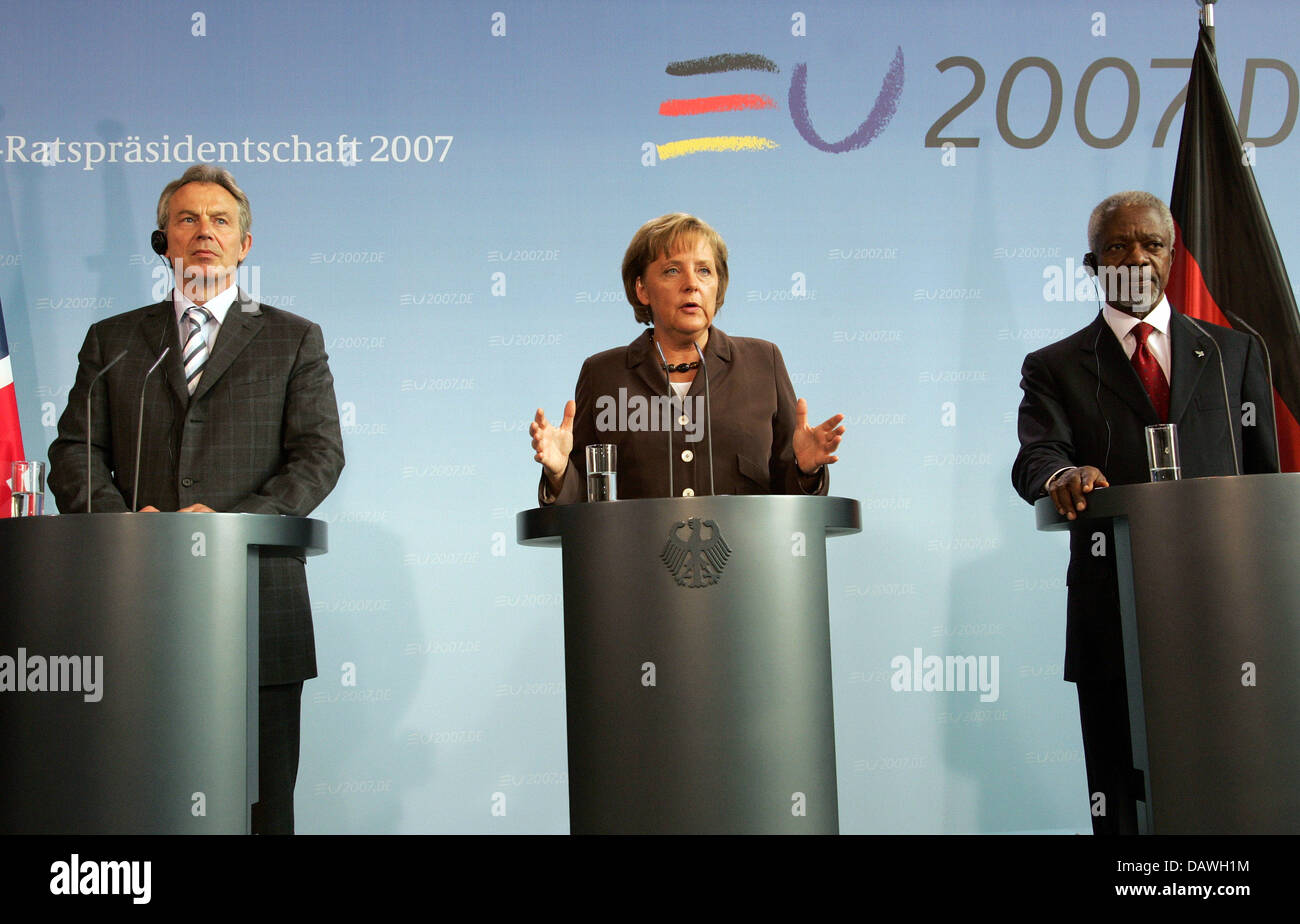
195,352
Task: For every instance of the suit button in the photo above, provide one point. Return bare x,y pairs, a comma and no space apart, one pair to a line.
187,482
687,455
689,492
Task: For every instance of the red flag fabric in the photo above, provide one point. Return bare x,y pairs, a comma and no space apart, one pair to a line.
11,434
1227,266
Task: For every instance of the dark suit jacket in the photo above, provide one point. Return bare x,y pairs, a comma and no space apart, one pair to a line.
753,423
260,435
1084,405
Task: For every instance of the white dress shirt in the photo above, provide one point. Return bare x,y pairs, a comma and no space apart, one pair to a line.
1157,341
217,307
1122,325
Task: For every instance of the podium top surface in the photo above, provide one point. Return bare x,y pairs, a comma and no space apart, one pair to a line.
1208,494
544,526
260,529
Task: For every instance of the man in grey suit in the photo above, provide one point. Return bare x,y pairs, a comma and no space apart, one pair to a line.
1087,401
239,417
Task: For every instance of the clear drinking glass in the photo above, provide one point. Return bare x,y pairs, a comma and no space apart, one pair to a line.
1162,452
28,480
602,472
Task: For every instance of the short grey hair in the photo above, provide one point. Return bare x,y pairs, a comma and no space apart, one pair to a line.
1129,198
206,173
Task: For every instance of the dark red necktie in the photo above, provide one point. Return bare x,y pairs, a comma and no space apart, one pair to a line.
1149,371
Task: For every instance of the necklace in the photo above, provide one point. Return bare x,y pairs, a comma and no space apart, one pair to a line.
676,367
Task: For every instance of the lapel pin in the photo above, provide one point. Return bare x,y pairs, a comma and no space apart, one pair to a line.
1200,354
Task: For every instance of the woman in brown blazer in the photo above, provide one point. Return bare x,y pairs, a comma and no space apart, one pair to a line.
732,424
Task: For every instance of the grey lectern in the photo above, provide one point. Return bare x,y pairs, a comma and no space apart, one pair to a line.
698,662
141,632
1209,583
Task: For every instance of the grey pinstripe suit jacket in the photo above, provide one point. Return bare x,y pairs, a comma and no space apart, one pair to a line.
260,435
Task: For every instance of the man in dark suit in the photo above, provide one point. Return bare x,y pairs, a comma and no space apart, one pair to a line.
1087,401
240,417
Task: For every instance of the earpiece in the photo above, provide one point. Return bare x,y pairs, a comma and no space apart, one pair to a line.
158,241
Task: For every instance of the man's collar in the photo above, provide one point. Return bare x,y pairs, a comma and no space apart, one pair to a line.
217,306
1122,322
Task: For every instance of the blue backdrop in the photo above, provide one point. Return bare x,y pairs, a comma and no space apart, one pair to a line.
448,188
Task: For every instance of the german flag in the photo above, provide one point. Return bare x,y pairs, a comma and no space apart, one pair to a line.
1227,266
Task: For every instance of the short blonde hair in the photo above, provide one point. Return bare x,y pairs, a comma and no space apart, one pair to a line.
657,238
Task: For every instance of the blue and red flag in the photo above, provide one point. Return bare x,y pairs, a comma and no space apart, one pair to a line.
11,434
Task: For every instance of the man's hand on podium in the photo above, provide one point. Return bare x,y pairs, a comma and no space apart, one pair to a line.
1068,488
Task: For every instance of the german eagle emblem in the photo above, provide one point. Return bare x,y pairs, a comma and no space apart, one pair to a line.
695,561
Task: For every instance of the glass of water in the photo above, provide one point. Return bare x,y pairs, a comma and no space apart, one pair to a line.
1162,452
602,472
28,497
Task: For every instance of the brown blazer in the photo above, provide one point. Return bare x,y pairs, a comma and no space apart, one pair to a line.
753,423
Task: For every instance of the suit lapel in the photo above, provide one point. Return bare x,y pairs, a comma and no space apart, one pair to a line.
1102,355
243,321
643,358
1190,351
718,355
159,329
